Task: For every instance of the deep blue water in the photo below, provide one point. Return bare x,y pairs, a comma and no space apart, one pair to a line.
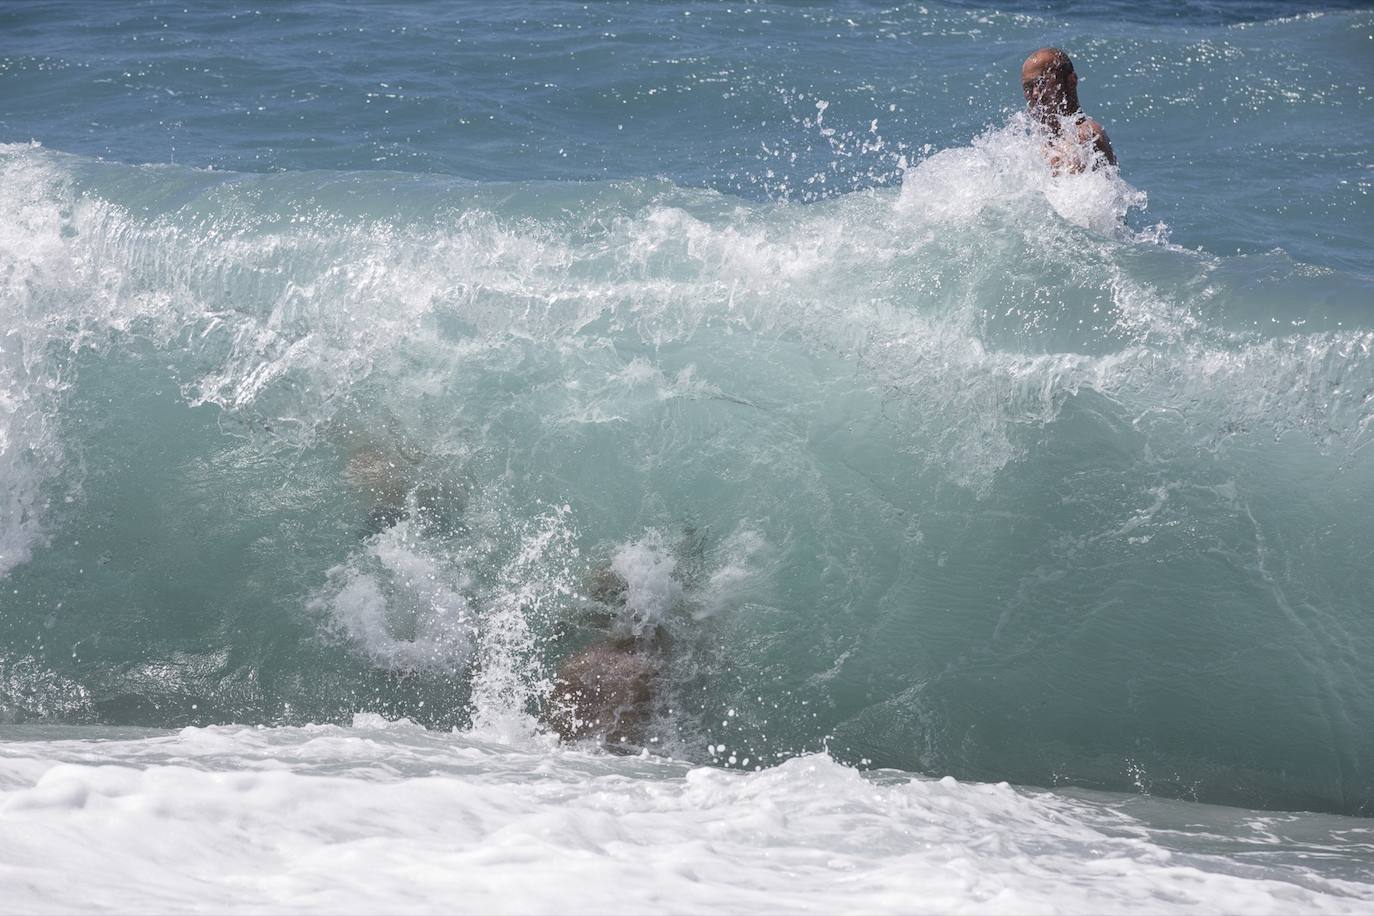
1248,123
918,451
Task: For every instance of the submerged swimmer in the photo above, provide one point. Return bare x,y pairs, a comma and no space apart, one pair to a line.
1051,89
398,481
608,690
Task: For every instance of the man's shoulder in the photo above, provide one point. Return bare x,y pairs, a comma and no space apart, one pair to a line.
1089,129
1091,133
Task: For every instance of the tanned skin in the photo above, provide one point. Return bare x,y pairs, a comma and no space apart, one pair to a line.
1051,89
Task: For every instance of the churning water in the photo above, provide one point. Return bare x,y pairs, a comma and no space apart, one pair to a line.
343,349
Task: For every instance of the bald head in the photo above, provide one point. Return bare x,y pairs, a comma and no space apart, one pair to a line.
1047,59
1049,83
1051,90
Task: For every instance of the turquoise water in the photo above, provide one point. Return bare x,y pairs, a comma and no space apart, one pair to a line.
341,345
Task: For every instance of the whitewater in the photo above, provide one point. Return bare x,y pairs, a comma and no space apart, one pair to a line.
389,816
1006,534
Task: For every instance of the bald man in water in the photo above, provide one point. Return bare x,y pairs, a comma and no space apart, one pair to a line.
1051,90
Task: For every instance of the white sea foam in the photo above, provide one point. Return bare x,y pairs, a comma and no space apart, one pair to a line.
951,293
31,255
386,817
739,573
665,332
648,568
510,681
400,604
1004,169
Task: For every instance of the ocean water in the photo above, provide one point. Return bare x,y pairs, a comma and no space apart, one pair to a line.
1010,532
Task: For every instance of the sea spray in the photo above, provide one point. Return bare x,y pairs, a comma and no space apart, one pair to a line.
983,481
510,683
361,371
400,605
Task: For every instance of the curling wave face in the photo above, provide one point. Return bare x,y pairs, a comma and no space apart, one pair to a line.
963,476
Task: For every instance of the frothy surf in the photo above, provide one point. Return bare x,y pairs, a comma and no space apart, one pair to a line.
398,375
872,458
390,816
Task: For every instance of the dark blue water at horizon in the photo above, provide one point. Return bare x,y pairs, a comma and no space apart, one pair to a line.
721,96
